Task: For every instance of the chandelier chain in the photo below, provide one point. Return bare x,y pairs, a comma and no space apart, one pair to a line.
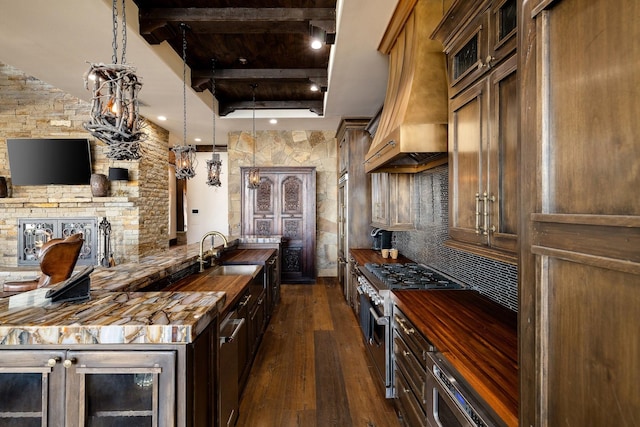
213,104
124,33
184,83
255,142
114,42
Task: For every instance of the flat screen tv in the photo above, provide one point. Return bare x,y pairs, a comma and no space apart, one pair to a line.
49,161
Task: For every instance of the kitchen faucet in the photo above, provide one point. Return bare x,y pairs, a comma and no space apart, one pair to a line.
208,234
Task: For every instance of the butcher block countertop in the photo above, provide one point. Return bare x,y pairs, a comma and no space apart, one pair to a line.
246,256
477,336
232,286
363,256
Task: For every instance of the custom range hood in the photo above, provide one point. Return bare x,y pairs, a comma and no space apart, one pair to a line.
412,132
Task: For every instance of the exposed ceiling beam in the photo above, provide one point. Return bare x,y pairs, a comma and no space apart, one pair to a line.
154,22
200,78
260,73
229,107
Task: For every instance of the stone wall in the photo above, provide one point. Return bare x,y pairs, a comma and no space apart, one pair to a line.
138,209
292,148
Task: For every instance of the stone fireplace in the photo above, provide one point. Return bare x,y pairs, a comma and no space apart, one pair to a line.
33,233
138,209
29,222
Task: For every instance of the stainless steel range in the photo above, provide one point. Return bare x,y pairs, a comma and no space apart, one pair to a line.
376,281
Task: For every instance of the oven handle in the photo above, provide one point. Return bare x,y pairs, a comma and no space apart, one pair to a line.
380,320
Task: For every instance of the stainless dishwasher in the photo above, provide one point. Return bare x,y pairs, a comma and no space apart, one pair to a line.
230,328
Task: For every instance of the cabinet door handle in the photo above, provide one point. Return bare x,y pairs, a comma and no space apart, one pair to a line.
245,301
477,213
69,362
404,327
53,361
486,199
488,62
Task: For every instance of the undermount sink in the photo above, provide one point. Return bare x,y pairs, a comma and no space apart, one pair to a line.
236,270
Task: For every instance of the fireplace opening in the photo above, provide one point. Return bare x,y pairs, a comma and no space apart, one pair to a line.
34,233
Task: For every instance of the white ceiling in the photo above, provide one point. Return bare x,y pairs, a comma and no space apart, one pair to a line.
55,41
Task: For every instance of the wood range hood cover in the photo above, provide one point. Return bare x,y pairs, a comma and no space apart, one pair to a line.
412,133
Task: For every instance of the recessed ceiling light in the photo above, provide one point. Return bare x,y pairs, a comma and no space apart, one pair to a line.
273,121
162,118
314,88
197,139
316,44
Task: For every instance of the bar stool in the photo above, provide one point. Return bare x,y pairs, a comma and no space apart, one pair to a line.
58,258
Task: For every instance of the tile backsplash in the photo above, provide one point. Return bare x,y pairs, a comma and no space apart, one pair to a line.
494,279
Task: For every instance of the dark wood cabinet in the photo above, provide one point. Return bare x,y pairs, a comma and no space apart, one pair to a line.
477,35
157,385
393,201
483,128
354,194
579,271
285,204
272,284
100,387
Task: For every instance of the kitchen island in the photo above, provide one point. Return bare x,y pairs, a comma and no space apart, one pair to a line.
116,358
131,350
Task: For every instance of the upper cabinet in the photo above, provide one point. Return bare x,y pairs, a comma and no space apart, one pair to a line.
480,42
475,45
392,201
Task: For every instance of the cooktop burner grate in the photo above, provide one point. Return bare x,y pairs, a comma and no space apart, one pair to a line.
410,276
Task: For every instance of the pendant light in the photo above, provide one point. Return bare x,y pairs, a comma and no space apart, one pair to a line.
214,165
114,88
253,180
185,154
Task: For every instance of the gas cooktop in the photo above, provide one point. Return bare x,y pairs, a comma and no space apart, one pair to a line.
410,276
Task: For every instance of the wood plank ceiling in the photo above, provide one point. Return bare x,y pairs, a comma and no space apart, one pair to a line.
264,42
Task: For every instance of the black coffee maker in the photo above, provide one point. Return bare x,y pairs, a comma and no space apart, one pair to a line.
381,239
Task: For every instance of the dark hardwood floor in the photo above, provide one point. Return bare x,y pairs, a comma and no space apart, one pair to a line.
311,368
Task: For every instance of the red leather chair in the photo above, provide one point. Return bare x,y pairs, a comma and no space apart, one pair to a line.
58,258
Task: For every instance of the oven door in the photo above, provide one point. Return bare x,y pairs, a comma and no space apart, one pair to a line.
375,328
444,412
452,404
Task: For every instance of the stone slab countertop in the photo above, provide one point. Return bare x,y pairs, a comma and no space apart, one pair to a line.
132,277
118,313
112,318
477,336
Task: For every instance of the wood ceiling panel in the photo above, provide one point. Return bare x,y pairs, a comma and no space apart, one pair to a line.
263,42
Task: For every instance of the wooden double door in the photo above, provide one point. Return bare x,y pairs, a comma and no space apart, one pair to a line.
284,204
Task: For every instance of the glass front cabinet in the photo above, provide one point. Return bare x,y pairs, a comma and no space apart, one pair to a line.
87,388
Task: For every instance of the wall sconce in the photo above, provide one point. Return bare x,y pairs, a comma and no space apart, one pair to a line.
118,174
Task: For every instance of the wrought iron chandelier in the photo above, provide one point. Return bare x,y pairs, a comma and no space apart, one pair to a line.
253,180
214,165
185,154
114,117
